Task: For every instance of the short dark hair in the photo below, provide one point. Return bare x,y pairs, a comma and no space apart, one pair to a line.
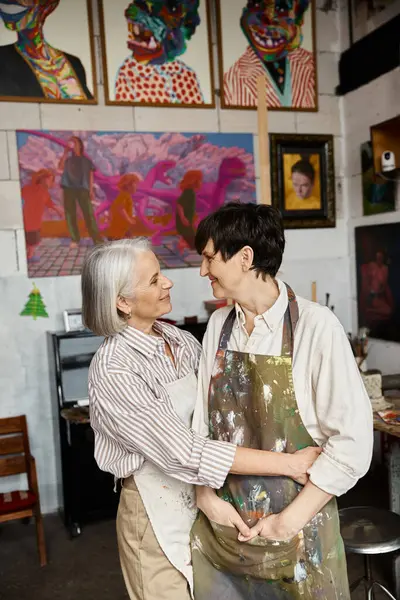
304,167
236,225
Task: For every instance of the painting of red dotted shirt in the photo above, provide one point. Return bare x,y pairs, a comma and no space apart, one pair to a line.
157,52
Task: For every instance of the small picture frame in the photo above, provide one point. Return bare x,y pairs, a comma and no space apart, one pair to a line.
303,179
73,320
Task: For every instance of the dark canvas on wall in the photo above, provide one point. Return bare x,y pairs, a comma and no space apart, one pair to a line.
378,280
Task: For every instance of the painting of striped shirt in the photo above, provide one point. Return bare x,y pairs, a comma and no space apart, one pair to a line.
240,82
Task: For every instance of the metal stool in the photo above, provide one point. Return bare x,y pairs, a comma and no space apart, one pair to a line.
366,530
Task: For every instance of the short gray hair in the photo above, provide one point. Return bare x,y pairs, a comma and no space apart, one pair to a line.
107,274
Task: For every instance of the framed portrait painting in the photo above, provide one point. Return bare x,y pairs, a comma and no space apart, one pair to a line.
157,53
303,179
40,59
378,280
267,38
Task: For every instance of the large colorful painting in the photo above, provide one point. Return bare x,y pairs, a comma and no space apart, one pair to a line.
81,188
378,195
46,51
268,38
378,280
157,53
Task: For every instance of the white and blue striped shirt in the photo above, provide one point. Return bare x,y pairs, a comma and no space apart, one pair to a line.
132,415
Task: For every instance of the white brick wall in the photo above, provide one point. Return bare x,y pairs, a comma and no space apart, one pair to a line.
310,255
369,105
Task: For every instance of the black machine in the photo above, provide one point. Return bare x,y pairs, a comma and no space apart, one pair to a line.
88,492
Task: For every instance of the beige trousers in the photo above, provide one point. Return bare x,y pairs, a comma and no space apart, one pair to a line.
147,572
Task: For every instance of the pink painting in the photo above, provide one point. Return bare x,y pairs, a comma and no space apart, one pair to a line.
83,188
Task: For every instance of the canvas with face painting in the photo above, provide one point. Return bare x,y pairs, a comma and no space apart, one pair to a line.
273,38
40,59
157,52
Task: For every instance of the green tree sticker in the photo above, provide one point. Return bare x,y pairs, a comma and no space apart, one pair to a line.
35,306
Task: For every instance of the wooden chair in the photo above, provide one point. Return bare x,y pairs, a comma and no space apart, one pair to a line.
16,458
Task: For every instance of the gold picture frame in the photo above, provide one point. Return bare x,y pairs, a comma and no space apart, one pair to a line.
303,179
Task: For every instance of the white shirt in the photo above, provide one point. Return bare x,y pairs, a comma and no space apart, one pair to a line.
331,397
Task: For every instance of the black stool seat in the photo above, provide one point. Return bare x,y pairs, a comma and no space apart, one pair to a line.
368,530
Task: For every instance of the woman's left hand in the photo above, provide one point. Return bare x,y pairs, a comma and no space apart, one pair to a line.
273,527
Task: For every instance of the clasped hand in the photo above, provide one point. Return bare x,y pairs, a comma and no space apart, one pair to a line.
221,512
273,527
301,461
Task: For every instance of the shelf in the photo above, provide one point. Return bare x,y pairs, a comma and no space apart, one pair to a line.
369,58
81,333
78,361
390,175
386,137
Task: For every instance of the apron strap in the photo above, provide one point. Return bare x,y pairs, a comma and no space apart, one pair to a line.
226,330
289,323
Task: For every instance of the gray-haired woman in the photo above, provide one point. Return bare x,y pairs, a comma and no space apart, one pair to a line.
142,392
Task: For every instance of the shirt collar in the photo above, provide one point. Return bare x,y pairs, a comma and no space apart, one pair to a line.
149,344
274,315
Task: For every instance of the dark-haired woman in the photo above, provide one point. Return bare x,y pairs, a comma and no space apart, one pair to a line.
277,373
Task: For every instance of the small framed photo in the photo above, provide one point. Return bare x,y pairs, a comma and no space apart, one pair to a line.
73,320
303,179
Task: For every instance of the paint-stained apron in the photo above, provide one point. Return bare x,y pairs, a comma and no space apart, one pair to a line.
252,403
170,504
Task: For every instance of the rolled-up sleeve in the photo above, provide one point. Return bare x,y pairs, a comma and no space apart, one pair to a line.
344,414
128,410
